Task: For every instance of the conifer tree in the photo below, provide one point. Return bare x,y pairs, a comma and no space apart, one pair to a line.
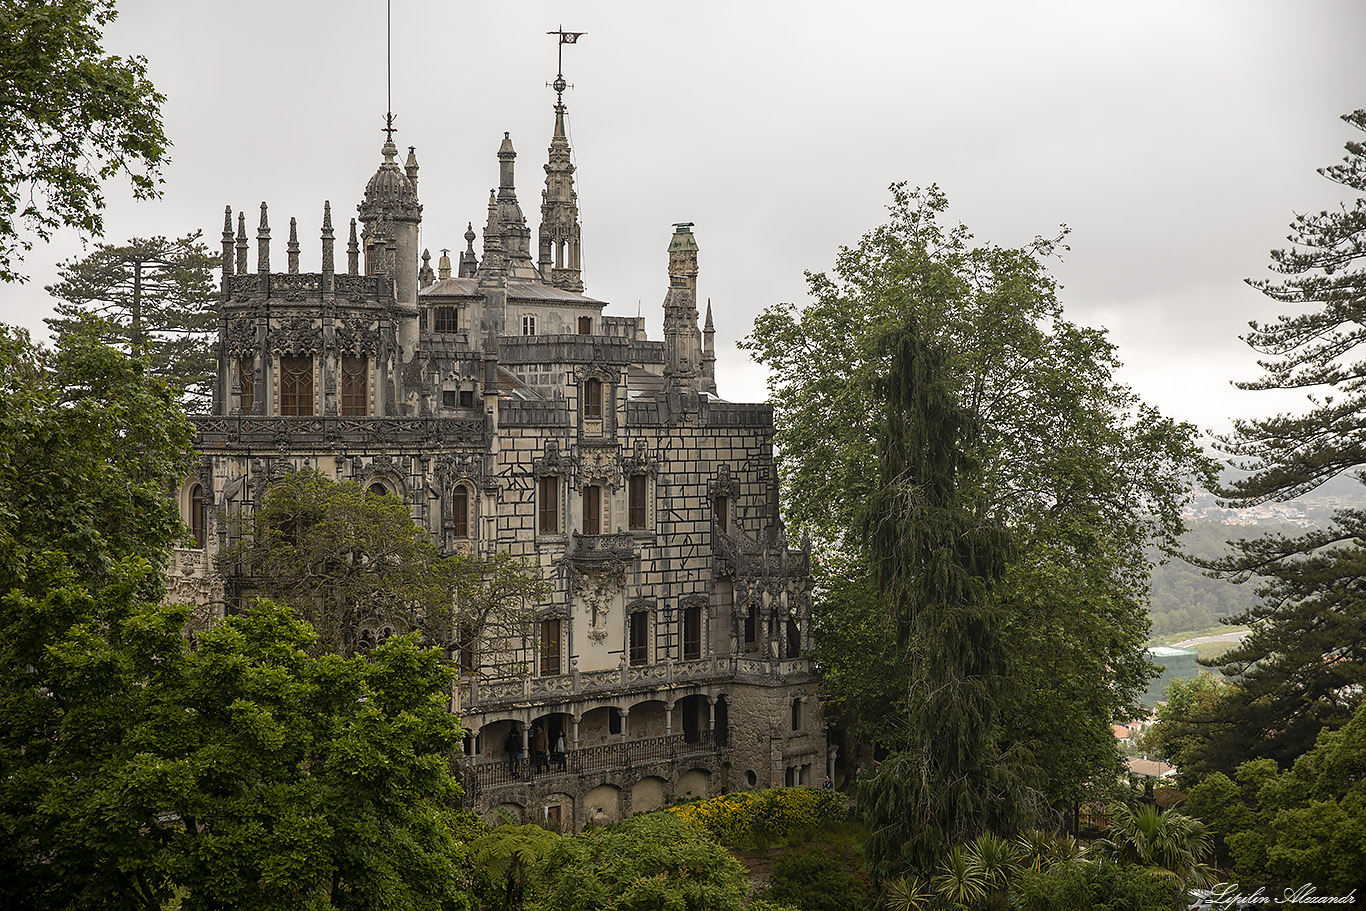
937,561
156,299
1303,667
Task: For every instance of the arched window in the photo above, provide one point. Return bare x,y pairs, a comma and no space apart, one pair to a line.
592,398
460,511
379,489
296,386
197,516
355,386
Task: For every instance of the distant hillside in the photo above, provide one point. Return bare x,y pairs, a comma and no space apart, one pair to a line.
1184,599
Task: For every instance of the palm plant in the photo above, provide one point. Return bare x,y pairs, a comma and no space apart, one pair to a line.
960,882
904,894
1038,850
1168,843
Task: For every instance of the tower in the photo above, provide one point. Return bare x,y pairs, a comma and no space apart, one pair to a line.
682,341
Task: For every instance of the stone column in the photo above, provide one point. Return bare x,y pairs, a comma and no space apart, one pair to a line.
625,731
668,719
711,713
574,729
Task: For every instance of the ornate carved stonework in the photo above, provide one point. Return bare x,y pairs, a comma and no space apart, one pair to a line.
356,336
296,336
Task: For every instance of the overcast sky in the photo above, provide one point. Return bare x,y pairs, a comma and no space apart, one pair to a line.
1175,137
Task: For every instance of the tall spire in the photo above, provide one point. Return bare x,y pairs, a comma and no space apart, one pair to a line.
559,234
682,341
511,223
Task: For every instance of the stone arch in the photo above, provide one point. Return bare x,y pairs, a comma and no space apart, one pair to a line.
602,805
647,794
508,812
694,783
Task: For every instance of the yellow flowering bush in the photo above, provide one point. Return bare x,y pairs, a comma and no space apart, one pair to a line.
751,817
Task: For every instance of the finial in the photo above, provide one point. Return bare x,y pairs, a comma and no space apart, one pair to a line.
709,327
263,243
241,243
327,245
353,252
292,248
469,235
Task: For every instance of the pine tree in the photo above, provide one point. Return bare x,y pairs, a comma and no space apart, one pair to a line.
937,561
1303,667
156,297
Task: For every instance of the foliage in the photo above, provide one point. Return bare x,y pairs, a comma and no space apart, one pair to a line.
772,815
505,857
342,556
937,561
1189,730
1082,474
654,860
1167,843
1092,886
89,446
70,118
156,297
242,773
1303,667
819,879
1303,825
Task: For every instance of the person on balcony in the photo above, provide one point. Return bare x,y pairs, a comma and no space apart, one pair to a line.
514,750
540,749
560,752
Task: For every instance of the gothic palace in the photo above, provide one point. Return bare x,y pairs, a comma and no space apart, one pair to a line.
510,413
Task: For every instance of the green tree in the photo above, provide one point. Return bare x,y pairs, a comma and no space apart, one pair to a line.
937,561
1304,665
505,858
157,299
1303,825
89,445
241,773
347,559
71,117
1083,475
1190,730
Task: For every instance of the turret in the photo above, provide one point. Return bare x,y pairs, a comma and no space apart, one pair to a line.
513,232
390,215
559,235
469,263
682,341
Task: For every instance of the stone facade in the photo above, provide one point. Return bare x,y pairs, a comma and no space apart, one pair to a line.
512,415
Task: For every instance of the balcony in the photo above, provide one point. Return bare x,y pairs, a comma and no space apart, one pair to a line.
481,776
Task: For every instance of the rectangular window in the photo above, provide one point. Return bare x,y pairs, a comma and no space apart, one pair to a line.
466,398
465,646
635,505
246,382
592,509
692,633
528,325
448,398
751,627
723,514
296,386
460,512
585,325
592,398
550,648
640,638
548,522
445,319
355,388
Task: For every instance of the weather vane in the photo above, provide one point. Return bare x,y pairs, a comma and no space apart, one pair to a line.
559,85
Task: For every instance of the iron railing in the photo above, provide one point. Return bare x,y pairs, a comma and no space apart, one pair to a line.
476,776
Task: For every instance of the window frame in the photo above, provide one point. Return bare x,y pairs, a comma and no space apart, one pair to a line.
637,502
296,386
549,653
592,509
528,324
354,392
198,515
638,639
445,319
593,389
461,523
693,622
246,384
548,505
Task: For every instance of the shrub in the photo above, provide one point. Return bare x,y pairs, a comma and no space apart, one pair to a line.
819,879
1090,886
764,817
